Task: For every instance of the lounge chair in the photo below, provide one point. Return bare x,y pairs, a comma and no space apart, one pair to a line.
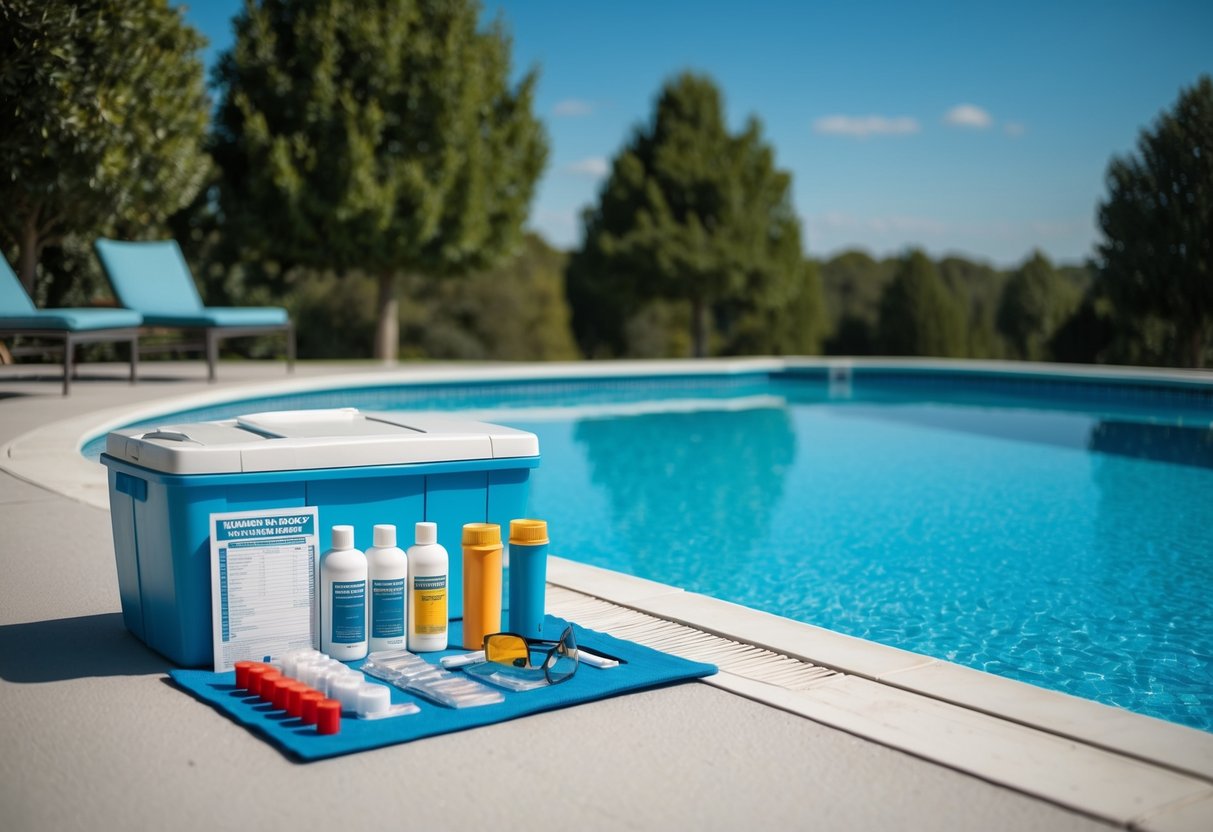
19,316
153,279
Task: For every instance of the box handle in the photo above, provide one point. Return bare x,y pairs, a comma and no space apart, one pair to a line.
131,486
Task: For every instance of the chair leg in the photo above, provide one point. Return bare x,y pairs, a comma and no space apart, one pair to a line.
134,356
212,353
290,347
69,350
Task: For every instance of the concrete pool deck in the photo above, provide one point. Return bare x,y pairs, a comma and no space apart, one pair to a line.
863,736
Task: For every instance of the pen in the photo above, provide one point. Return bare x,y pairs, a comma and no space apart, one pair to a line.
452,662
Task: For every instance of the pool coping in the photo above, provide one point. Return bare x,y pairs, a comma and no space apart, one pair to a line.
1103,761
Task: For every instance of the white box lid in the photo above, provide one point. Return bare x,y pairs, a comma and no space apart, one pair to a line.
291,440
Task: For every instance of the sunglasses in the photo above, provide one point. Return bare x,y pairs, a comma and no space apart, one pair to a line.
557,659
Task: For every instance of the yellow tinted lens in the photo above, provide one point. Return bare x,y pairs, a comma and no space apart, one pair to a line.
507,649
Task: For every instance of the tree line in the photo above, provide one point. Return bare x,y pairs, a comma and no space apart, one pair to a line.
361,154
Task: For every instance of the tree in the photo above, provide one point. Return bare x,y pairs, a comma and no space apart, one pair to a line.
1035,303
978,287
1157,255
104,112
853,283
786,318
918,315
515,311
692,213
379,135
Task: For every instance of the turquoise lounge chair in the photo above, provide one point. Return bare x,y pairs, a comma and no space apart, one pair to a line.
153,279
19,316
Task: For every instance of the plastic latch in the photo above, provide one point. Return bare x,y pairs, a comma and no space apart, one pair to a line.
133,487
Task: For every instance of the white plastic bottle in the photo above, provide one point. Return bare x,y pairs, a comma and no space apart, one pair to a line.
387,572
427,603
343,598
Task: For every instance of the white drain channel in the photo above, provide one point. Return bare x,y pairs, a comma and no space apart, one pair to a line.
729,656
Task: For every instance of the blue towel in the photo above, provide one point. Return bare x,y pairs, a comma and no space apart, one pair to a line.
640,668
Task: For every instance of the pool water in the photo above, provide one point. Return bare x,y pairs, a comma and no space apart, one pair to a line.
1063,539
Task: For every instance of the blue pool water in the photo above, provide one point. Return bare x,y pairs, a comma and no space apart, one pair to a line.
1057,534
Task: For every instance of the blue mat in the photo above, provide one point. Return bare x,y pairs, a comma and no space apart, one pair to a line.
640,668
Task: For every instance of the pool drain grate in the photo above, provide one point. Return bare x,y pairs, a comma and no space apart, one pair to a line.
746,660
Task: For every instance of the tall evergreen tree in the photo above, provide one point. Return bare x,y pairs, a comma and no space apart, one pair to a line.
104,109
853,283
918,314
1157,256
1035,303
693,213
379,134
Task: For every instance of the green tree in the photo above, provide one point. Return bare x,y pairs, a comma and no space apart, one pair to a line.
978,286
515,311
380,135
853,283
1157,255
104,109
691,213
918,314
1035,303
785,318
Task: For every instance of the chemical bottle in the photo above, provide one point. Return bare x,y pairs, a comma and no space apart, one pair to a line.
343,598
427,604
387,572
528,576
481,583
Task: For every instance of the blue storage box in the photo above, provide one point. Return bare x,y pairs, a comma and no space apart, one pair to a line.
357,469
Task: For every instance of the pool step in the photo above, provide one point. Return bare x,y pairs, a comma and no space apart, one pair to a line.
754,663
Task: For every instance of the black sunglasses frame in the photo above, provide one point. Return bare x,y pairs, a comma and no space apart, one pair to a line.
566,638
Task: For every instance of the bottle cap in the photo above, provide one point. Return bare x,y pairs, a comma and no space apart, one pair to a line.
242,669
266,691
253,678
294,698
529,531
343,537
307,706
385,536
373,699
481,534
281,686
328,716
426,533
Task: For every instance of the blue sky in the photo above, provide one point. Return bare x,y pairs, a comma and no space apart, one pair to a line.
974,128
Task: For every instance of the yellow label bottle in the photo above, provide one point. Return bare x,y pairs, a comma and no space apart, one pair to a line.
481,583
428,573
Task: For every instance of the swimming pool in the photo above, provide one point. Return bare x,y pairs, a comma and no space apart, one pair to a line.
1054,530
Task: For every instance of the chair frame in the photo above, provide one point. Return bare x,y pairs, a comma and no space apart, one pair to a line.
72,339
215,334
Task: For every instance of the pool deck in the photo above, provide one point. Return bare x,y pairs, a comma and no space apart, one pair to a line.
93,736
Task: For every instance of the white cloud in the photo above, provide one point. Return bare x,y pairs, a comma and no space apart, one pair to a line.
573,108
1014,129
863,126
594,166
968,115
